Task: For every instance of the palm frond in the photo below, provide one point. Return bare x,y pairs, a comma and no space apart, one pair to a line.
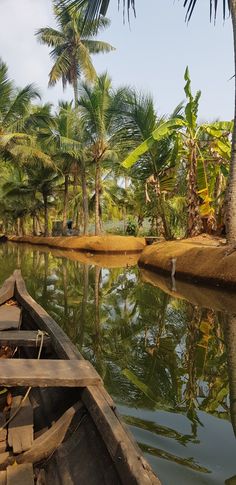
20,104
6,86
97,46
191,4
49,36
95,8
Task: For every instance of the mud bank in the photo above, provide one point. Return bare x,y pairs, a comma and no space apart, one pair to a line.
203,260
94,244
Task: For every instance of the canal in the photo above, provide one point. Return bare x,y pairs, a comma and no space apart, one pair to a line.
169,364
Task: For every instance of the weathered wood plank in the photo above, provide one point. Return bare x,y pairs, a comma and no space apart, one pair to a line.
7,289
3,432
44,321
41,478
3,446
3,478
127,458
47,373
10,316
46,444
26,338
137,470
20,474
20,430
4,457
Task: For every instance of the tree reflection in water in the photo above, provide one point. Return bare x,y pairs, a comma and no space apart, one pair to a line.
154,352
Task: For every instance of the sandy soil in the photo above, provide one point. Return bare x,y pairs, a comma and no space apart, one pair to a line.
202,259
94,244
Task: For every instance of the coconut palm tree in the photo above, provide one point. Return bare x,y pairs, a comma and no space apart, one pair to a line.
66,140
99,7
100,108
95,8
71,50
18,121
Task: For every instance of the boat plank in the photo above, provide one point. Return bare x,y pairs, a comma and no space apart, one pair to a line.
20,430
127,458
60,340
41,478
20,474
133,467
3,478
3,431
7,289
26,338
46,444
4,457
10,316
48,373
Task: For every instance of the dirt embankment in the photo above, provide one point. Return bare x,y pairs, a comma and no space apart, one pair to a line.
202,259
94,244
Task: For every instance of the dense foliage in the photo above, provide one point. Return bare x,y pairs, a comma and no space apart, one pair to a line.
107,156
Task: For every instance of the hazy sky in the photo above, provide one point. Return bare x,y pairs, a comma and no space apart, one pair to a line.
151,54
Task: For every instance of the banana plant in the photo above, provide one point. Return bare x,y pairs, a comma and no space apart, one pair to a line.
193,151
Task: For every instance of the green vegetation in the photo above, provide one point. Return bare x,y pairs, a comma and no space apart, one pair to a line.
108,155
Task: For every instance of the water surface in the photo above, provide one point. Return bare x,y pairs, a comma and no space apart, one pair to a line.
166,362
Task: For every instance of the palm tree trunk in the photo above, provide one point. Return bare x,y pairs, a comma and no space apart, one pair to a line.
231,190
34,223
167,230
161,209
85,199
65,205
39,229
97,199
18,226
45,201
22,226
75,223
76,92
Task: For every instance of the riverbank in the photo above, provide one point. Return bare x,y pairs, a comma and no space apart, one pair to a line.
202,259
111,244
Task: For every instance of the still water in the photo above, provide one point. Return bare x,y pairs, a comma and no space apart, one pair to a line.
169,364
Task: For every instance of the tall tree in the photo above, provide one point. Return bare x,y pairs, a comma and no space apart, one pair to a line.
95,8
100,107
72,49
139,121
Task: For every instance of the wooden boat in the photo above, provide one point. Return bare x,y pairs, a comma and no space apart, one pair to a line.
64,427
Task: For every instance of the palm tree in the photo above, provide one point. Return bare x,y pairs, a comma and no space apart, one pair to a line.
66,140
100,107
95,8
155,167
71,50
18,121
